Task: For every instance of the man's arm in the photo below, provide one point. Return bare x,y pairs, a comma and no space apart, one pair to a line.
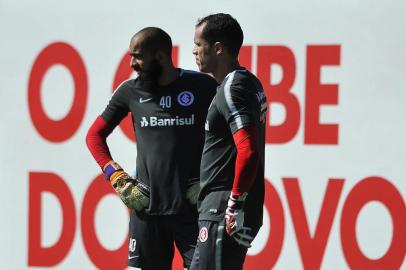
96,141
246,163
116,110
236,107
132,193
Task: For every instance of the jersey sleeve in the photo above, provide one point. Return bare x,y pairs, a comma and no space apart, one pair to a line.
118,106
246,163
96,141
234,103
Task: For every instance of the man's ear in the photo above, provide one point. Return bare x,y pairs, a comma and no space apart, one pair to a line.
218,48
160,56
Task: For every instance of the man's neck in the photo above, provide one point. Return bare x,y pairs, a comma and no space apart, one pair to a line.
169,75
224,68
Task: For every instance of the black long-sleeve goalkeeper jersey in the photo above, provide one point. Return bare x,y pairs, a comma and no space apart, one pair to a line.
240,102
169,127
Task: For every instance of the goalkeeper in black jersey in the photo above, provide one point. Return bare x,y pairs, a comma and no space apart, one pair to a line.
232,169
168,107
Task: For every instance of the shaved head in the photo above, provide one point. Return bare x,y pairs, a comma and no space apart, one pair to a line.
154,39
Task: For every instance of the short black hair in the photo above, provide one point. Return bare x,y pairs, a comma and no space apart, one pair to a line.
155,39
222,28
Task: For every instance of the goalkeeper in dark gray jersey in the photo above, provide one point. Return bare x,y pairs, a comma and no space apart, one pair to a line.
168,106
232,168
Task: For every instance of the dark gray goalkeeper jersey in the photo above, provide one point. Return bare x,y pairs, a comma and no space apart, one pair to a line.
169,127
240,102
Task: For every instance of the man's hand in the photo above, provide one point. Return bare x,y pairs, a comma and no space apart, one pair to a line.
193,190
132,192
235,220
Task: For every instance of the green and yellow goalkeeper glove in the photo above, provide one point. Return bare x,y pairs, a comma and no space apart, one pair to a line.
132,192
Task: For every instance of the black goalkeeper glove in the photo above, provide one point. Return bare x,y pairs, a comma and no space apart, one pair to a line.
193,190
132,192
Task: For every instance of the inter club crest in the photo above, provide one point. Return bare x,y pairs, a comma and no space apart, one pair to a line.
203,234
186,98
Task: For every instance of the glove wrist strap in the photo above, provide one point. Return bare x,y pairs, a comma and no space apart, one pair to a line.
236,202
110,168
239,198
142,187
193,181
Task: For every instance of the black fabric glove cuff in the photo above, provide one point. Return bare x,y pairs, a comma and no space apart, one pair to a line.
192,181
144,188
